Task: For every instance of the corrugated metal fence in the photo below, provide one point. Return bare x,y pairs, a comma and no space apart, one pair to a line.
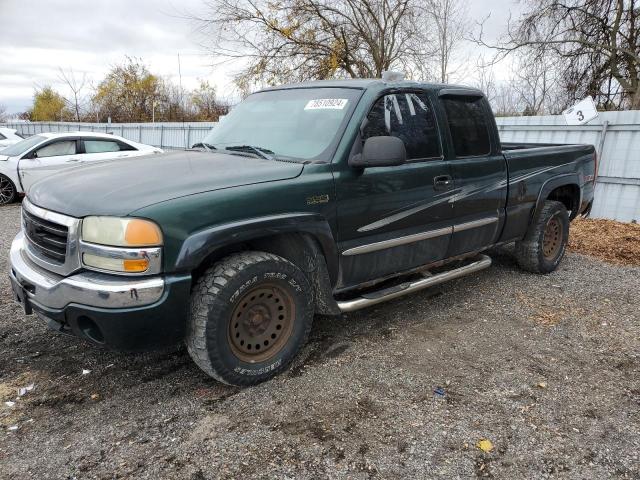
616,136
175,135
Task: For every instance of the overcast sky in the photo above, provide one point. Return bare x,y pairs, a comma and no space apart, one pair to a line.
39,37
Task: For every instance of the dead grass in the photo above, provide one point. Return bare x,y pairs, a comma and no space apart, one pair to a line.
608,240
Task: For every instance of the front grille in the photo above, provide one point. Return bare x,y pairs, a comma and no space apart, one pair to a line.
47,238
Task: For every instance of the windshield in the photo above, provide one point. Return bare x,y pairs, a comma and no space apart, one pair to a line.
297,123
22,146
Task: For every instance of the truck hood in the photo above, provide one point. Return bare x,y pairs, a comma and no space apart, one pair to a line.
120,187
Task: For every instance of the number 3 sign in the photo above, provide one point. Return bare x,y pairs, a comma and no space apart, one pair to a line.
581,113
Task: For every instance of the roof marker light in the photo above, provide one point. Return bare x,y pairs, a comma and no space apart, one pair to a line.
391,76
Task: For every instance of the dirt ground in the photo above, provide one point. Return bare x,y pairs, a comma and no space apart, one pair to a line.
546,368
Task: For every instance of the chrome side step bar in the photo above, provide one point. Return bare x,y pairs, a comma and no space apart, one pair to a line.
480,263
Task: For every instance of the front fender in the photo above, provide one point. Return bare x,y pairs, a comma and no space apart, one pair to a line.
204,243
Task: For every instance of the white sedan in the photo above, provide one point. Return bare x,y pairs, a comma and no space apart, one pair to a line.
42,155
9,136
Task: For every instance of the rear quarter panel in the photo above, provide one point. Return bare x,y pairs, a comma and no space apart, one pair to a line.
535,172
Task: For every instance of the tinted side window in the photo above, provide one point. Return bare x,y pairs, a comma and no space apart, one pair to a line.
409,117
125,147
468,126
64,147
100,146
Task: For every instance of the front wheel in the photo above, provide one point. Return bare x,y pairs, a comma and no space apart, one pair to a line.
250,315
8,192
545,243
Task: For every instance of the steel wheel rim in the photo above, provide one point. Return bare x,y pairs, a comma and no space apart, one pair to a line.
552,238
261,323
6,190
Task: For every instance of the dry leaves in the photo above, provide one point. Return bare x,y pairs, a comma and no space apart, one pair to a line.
608,240
485,445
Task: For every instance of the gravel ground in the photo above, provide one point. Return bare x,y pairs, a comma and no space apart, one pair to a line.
544,367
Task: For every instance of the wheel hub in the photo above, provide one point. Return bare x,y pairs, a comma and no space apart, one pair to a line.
257,320
6,190
261,323
552,238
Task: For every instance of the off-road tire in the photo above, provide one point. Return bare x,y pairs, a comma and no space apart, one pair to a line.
8,192
237,287
538,254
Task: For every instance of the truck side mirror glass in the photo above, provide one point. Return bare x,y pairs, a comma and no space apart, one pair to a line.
384,151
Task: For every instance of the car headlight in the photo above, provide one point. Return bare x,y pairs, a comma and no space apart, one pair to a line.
121,245
121,232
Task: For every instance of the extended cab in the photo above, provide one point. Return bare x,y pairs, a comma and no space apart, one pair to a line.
323,197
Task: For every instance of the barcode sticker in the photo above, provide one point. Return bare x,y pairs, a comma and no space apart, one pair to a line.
326,103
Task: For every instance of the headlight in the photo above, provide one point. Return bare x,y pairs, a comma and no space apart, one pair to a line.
121,232
121,245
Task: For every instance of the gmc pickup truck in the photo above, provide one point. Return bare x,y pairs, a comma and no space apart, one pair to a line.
322,197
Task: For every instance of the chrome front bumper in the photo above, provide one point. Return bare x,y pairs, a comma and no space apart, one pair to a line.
94,289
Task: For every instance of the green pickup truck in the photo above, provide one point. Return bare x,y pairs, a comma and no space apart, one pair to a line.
321,197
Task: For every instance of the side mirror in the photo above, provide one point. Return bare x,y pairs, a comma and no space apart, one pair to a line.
380,152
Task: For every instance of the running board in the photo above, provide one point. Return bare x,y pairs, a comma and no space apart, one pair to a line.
480,263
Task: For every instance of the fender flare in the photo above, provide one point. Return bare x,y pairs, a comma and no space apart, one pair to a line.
551,184
197,247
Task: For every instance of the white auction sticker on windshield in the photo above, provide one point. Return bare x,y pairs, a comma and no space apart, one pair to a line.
326,104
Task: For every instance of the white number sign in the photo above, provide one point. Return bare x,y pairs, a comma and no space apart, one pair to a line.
326,104
581,113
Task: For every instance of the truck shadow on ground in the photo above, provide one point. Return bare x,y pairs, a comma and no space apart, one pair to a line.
332,336
53,356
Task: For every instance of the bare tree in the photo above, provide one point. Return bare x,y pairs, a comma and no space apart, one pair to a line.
536,83
291,40
506,102
485,79
450,23
3,113
597,40
76,86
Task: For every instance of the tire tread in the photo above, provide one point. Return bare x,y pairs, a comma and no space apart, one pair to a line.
205,294
528,250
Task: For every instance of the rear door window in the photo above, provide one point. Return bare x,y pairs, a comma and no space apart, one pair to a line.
467,123
409,117
103,146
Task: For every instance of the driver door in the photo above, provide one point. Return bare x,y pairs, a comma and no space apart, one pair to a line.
48,159
393,219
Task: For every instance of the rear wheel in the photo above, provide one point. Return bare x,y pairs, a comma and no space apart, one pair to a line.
8,192
250,315
546,240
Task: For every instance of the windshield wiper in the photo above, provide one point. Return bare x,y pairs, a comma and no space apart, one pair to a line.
208,147
261,152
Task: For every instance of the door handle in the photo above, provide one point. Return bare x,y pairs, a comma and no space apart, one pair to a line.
442,182
73,160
